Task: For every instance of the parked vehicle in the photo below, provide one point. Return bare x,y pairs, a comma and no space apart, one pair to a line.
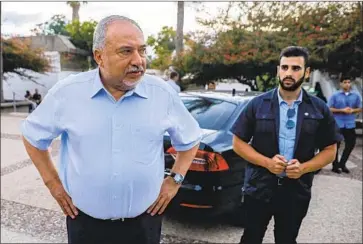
214,181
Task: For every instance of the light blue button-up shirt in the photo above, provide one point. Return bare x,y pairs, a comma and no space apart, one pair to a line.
287,136
173,84
342,100
112,158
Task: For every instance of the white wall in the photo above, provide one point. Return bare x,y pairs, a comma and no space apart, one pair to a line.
14,83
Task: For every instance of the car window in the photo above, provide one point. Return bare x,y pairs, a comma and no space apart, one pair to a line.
210,113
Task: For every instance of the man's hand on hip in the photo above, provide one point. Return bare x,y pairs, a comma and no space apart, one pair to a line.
60,195
167,192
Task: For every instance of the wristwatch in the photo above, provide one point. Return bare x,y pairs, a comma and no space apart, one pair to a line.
178,178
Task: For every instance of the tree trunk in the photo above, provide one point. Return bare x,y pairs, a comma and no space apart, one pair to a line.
179,28
2,79
75,11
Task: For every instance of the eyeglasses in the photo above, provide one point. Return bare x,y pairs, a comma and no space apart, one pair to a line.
290,124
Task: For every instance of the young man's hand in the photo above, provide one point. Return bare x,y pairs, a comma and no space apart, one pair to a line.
347,110
277,165
294,169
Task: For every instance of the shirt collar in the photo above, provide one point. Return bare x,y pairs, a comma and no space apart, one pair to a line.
281,100
98,85
140,89
342,91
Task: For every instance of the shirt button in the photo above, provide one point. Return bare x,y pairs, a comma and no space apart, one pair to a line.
114,197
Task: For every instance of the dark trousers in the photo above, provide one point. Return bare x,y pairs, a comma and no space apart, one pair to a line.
349,141
143,229
288,214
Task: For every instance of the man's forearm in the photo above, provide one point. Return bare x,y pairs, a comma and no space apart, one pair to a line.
323,158
357,110
336,110
184,160
247,152
42,161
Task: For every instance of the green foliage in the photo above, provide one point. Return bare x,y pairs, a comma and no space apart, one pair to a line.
18,55
55,26
81,34
163,46
265,82
246,46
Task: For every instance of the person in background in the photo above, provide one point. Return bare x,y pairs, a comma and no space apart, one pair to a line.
278,133
345,104
28,97
173,79
37,98
110,179
211,85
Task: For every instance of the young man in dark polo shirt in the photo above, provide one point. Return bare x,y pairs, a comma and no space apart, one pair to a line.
279,133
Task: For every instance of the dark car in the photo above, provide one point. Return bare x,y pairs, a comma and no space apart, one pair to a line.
215,179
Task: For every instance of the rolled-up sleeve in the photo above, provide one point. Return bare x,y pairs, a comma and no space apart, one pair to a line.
358,101
184,130
244,126
42,125
331,102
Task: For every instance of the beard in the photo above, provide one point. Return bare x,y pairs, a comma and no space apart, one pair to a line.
294,86
128,85
125,85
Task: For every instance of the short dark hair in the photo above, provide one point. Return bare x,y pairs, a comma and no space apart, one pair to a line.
296,51
211,82
343,78
173,74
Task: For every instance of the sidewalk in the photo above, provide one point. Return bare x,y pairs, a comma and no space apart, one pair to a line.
30,215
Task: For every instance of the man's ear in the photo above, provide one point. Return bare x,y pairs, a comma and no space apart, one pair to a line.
307,72
97,55
277,70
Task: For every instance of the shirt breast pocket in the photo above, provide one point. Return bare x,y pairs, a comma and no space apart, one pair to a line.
265,123
146,142
311,123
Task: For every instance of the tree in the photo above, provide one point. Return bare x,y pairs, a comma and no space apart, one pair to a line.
75,5
179,28
81,35
17,56
55,26
347,59
163,45
246,46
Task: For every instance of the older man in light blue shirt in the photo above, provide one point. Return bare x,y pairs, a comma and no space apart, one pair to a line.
112,121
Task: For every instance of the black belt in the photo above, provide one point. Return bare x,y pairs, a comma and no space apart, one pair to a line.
280,181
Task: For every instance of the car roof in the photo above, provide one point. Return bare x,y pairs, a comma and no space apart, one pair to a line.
240,96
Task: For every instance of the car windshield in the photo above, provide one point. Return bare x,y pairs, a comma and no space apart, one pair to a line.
210,113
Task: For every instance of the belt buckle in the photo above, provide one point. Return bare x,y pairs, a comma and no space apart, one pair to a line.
117,219
279,181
